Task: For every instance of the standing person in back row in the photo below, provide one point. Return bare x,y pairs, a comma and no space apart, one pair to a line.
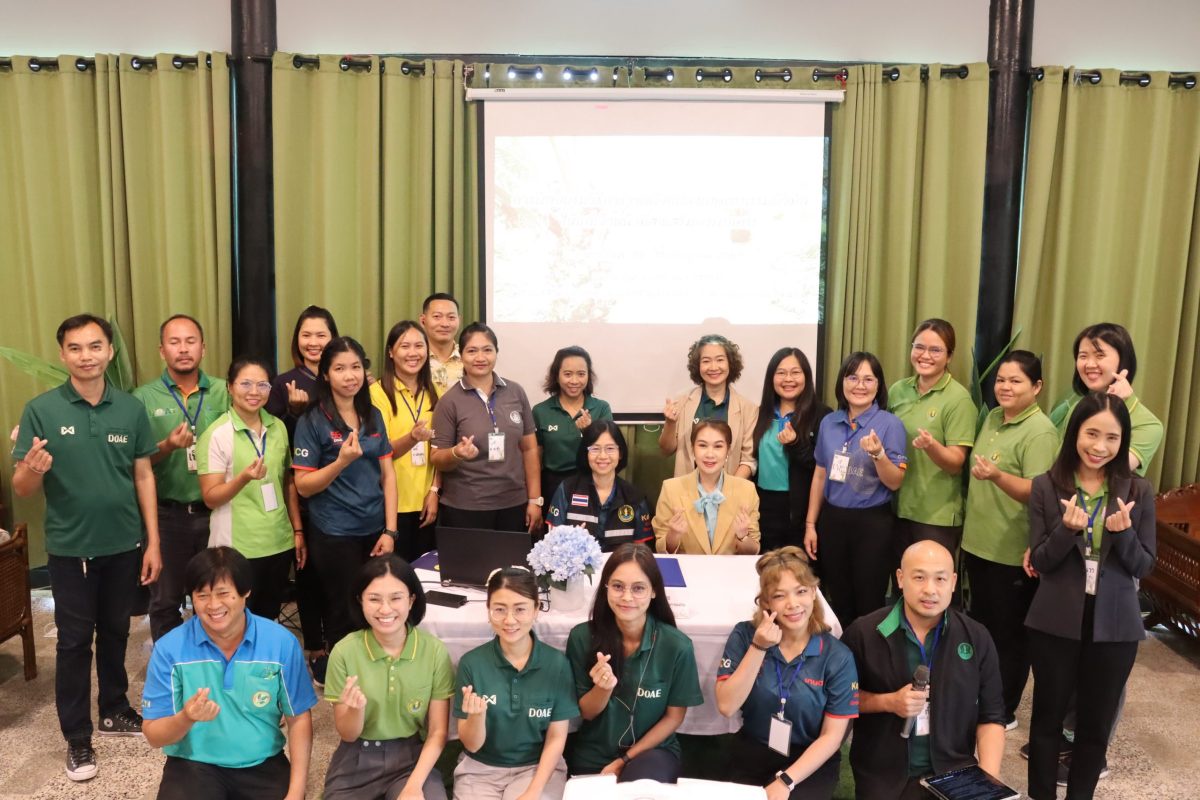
181,404
87,446
440,319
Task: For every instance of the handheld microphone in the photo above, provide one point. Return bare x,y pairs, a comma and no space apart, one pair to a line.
920,683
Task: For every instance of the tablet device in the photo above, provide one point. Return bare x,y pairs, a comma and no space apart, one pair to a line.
969,783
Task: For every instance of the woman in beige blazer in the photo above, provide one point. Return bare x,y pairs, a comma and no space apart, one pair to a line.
714,364
708,511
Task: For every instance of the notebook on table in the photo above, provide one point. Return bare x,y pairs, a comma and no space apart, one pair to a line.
467,556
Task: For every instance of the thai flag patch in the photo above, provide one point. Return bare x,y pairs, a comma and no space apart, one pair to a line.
579,500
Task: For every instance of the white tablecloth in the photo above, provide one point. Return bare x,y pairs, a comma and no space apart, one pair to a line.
605,787
719,594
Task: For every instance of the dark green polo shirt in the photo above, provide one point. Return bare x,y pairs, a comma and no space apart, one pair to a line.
520,705
172,478
556,432
661,673
710,409
91,503
920,759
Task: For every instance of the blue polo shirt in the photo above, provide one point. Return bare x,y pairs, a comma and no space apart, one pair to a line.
820,682
862,487
264,681
353,504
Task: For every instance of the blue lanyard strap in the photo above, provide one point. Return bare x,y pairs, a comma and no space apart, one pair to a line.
257,452
785,689
420,398
927,660
1092,515
490,404
183,405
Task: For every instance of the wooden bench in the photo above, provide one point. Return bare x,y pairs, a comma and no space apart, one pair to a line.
1173,588
16,613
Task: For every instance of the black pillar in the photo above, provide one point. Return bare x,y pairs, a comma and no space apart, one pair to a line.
1010,36
254,42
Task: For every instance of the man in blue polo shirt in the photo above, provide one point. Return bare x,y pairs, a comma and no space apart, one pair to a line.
217,688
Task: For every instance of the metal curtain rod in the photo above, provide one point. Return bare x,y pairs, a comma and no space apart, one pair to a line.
947,71
84,64
1186,80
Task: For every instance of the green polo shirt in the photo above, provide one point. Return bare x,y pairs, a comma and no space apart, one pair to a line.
1145,435
162,398
398,690
661,673
520,705
929,494
1090,501
709,408
556,432
227,448
91,502
996,526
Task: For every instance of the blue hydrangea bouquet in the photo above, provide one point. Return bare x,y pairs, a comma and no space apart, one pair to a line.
565,553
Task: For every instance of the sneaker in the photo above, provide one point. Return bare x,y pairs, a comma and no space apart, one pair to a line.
1064,748
317,666
1064,769
1011,725
126,723
81,760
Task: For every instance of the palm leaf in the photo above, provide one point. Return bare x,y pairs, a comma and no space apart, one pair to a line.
39,368
120,369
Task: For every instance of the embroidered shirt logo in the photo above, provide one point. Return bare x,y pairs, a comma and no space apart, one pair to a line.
66,431
260,699
515,416
965,651
625,513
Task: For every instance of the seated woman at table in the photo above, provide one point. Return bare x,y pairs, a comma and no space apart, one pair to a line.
390,685
708,511
786,659
610,508
514,701
635,674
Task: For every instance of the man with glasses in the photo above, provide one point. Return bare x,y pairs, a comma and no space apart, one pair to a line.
181,403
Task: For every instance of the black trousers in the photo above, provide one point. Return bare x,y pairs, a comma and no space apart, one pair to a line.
854,558
269,583
775,521
1000,598
92,600
184,779
337,560
753,763
310,599
413,540
1098,672
501,519
182,532
550,481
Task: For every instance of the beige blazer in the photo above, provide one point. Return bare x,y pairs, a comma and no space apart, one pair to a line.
683,492
743,416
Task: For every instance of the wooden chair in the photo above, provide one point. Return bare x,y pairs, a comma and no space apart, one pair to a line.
16,612
1173,588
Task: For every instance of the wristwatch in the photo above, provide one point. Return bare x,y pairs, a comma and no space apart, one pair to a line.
537,501
394,534
785,779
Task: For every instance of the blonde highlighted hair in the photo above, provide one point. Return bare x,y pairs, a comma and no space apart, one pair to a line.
770,567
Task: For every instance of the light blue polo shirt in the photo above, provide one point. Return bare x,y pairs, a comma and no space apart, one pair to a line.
264,681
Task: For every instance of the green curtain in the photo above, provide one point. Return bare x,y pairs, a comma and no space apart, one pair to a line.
905,213
1110,231
115,200
375,175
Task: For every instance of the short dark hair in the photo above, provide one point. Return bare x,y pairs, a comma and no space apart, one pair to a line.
214,564
82,321
474,328
241,362
849,367
377,567
942,328
718,425
732,352
438,296
1062,473
514,579
1116,337
312,312
591,433
1029,363
162,329
551,386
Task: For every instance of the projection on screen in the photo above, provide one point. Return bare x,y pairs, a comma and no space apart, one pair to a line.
631,229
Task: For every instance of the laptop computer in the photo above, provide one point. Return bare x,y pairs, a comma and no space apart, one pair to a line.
467,556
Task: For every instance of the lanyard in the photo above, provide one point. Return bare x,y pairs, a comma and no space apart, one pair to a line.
257,452
785,690
183,405
1091,523
927,660
490,404
855,429
420,398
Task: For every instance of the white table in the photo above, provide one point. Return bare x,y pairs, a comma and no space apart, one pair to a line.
719,594
605,787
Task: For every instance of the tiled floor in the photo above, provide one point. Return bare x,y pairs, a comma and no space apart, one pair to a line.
1153,756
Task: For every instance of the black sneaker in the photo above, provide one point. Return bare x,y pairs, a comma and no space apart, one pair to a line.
1064,769
81,760
126,723
1064,748
317,666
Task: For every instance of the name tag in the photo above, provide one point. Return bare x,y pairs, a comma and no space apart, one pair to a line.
618,532
582,517
838,467
191,458
779,738
922,726
418,454
495,447
270,500
1091,576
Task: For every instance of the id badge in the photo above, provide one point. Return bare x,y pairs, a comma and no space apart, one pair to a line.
270,499
839,467
191,458
922,726
779,738
418,454
495,446
1092,575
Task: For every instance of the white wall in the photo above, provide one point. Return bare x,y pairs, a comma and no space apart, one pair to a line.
1145,35
144,27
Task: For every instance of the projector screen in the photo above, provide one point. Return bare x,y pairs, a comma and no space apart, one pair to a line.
632,228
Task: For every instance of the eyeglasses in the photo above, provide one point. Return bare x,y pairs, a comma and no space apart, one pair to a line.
246,386
934,351
854,380
640,591
375,601
519,613
793,373
604,450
